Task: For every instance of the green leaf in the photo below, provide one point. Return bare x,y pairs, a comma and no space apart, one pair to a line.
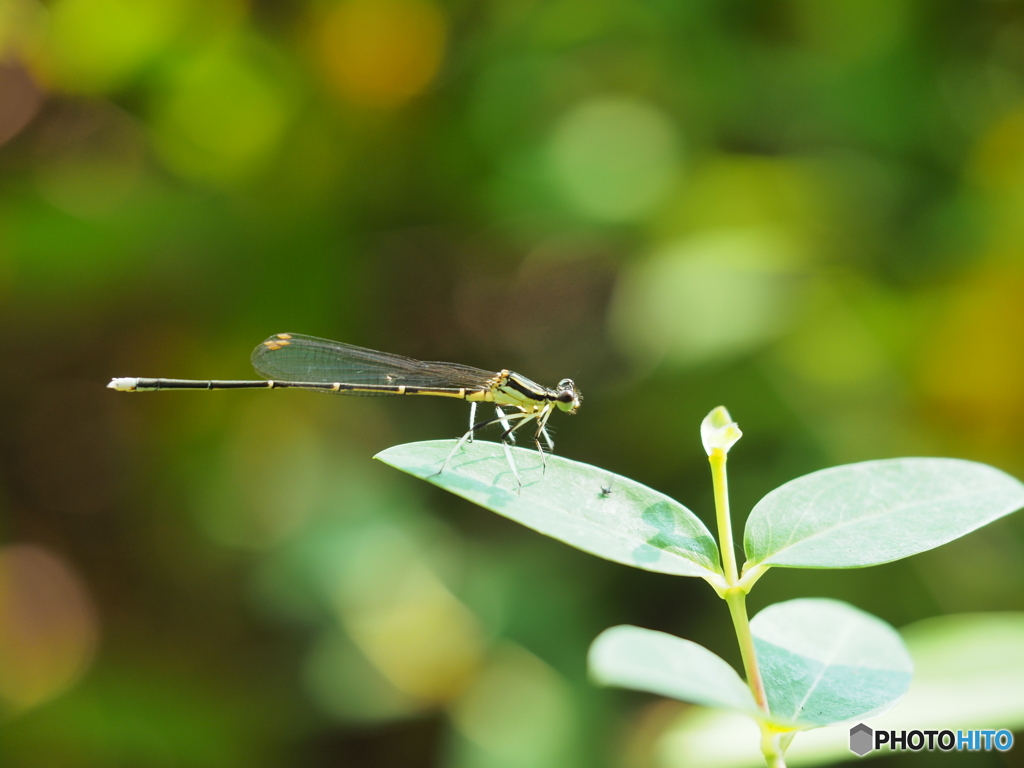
630,524
876,511
645,660
824,661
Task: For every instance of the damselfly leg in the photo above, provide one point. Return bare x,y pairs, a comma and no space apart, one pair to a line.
506,437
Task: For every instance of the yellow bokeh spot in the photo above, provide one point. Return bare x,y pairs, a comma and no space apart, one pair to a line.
224,110
95,46
346,685
972,369
999,158
23,26
381,53
403,618
48,627
833,347
710,296
732,191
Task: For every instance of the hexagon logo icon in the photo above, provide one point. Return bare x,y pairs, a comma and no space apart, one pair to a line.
861,738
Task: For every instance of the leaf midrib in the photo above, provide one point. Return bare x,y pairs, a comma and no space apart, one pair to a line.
839,525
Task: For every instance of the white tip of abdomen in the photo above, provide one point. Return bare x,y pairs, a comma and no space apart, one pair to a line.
123,385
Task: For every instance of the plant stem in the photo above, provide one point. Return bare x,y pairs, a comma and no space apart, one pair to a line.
771,747
721,484
736,599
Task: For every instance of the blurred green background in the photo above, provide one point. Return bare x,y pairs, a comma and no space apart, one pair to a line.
810,212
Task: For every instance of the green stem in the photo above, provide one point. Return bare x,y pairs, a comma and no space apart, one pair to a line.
736,599
721,484
771,747
735,596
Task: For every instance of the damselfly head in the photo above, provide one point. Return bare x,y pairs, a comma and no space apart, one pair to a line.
568,397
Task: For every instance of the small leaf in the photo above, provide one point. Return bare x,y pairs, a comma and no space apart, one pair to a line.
824,661
645,660
876,511
718,431
599,512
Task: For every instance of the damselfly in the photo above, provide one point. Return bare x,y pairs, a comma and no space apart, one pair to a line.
305,362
